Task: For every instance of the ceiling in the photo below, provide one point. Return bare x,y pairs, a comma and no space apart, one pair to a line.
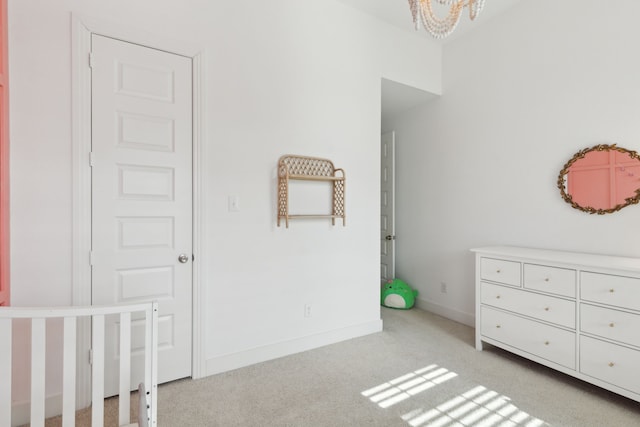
397,97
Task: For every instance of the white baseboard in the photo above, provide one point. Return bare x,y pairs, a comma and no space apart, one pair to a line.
241,359
21,410
449,313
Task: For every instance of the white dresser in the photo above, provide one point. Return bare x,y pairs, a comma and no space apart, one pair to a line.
577,313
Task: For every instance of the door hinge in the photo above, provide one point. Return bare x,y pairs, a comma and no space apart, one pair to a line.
92,159
90,257
92,62
90,356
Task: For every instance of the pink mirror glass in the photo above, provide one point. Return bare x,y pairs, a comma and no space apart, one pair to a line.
601,179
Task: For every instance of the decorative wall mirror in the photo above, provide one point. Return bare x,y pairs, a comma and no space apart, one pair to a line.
601,179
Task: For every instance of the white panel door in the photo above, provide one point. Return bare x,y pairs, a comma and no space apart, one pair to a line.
142,196
387,202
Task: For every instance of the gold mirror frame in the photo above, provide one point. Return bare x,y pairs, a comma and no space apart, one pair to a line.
580,155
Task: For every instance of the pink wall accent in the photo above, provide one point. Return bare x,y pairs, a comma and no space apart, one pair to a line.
4,159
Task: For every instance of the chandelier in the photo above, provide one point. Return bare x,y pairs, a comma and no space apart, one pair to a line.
440,28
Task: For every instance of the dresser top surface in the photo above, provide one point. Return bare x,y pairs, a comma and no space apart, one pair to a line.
553,256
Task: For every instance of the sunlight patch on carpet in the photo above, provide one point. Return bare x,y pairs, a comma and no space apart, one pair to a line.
406,386
477,407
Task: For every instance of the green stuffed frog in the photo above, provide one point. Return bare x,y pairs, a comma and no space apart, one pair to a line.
397,294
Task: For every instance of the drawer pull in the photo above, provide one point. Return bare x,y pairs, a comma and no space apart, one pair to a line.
547,279
611,364
611,325
498,326
498,271
611,290
546,309
546,343
497,296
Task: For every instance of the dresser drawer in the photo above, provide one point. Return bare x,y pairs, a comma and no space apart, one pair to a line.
619,291
501,271
610,363
547,342
543,307
560,281
613,324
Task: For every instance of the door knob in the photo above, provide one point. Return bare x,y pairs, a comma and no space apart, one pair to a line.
183,258
390,237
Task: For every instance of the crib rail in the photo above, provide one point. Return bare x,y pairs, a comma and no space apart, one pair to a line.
71,316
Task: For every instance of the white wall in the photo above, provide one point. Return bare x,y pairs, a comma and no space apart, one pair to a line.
478,166
283,76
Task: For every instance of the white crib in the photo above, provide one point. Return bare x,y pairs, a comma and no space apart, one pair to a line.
71,317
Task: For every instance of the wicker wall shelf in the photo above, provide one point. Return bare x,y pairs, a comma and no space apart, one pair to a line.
310,169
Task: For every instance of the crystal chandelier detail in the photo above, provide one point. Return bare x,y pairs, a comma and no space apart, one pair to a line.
442,27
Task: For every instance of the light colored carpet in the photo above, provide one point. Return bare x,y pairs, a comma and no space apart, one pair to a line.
324,387
422,370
